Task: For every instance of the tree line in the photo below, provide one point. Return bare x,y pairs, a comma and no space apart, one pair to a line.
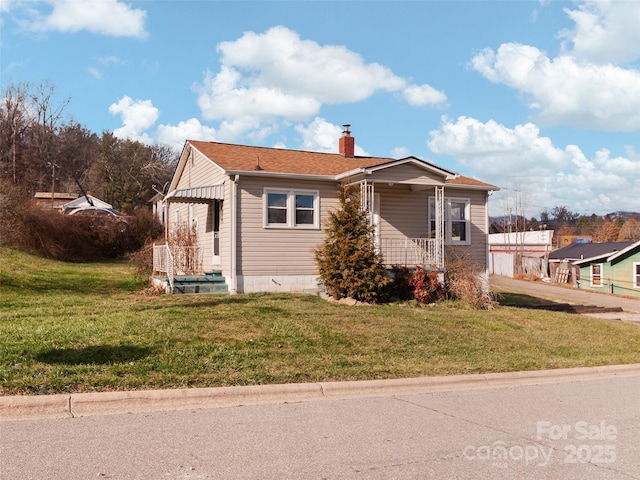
612,227
41,150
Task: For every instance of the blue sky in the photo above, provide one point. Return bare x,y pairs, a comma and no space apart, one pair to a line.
539,98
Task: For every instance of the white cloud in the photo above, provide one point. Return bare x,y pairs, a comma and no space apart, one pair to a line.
322,136
137,116
520,158
605,31
276,76
104,17
400,152
584,86
421,95
564,90
174,136
111,60
95,73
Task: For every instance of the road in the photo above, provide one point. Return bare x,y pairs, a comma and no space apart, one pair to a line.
571,428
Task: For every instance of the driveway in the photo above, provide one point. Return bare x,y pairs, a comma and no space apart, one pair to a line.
568,294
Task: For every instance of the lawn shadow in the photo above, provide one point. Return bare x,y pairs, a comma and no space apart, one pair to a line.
94,354
516,299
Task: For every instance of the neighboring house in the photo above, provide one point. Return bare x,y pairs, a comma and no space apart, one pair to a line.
520,252
561,262
55,200
257,213
616,272
158,207
565,240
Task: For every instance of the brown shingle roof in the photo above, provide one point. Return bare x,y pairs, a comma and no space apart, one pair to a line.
245,158
277,160
471,182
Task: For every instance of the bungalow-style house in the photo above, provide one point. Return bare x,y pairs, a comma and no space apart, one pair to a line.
562,266
616,272
256,214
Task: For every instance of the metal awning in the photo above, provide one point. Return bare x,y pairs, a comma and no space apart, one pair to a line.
196,194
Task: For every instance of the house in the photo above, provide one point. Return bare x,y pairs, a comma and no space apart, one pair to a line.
520,252
564,240
158,207
616,272
53,200
256,214
562,266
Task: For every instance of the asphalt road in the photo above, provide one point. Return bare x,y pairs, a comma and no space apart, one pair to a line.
574,428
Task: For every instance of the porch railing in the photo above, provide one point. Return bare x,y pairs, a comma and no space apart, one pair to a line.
176,260
409,252
163,263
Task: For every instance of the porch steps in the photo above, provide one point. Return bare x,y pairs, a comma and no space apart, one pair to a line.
210,282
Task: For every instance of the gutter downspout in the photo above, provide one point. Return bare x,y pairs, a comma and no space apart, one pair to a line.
233,288
487,229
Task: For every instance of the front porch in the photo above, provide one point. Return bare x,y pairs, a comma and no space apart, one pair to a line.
411,252
179,269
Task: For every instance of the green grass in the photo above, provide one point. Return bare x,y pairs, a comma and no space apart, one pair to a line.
85,327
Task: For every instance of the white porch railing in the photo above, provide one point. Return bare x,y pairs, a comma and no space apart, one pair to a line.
163,263
409,252
175,260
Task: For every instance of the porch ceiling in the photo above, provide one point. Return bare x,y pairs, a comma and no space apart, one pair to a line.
197,194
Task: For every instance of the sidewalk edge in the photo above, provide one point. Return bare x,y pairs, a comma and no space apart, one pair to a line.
20,407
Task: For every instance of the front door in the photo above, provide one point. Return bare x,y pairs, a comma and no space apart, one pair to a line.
217,217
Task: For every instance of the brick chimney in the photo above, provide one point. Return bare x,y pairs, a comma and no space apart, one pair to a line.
347,142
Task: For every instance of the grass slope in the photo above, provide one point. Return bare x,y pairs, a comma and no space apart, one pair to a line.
82,327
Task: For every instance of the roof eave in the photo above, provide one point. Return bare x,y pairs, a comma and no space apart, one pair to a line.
486,188
262,173
623,251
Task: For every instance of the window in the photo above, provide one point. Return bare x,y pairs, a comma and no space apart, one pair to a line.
636,275
596,274
457,224
291,208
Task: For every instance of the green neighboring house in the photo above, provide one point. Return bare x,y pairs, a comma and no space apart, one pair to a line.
616,272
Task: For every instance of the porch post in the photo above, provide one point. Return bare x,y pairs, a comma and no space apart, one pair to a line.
367,199
440,230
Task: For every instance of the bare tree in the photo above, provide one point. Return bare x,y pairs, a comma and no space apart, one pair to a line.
14,121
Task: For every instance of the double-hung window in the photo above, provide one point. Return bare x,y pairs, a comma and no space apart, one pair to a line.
291,208
596,274
636,275
457,220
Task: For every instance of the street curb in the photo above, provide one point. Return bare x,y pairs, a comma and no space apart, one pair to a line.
22,407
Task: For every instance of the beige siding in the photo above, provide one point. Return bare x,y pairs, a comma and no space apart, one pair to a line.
274,251
200,171
476,253
403,212
407,173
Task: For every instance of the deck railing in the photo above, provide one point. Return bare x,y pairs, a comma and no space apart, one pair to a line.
409,252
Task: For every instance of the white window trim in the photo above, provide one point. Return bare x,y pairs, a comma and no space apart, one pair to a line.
447,219
635,279
601,275
291,208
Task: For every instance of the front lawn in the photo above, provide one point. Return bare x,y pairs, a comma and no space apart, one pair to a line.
85,327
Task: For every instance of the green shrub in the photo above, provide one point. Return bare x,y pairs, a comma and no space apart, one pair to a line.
348,263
